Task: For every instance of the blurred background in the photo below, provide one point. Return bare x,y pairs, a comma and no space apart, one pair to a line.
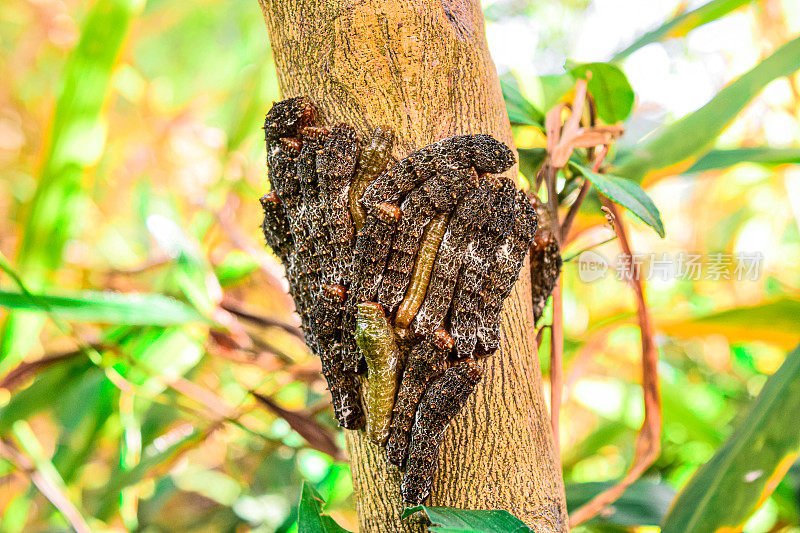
131,161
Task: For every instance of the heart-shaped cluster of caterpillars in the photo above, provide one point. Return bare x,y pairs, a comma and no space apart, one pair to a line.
398,269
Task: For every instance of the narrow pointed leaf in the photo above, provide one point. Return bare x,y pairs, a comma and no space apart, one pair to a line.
723,494
683,24
106,307
762,155
674,148
626,193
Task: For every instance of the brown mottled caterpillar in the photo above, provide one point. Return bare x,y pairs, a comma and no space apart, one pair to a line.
282,172
345,389
375,338
481,251
325,321
545,262
467,217
427,360
483,152
286,117
439,194
442,401
336,163
504,273
372,163
313,213
421,276
276,226
369,259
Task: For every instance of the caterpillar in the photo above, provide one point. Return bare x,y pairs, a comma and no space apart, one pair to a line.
375,337
466,218
326,319
374,159
369,258
431,239
464,312
483,152
427,360
439,194
504,273
313,217
276,226
286,117
545,262
336,164
442,401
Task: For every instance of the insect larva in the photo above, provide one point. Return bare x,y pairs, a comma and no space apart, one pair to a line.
421,276
345,388
464,313
313,203
466,218
373,161
369,259
427,360
336,163
286,117
442,401
504,273
439,194
545,263
375,338
325,321
276,226
484,153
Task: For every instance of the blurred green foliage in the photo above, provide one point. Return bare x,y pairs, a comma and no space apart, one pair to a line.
131,162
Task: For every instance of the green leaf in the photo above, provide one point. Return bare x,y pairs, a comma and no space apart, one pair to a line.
106,307
610,88
675,147
449,520
76,141
520,110
683,24
48,388
530,159
763,155
642,504
309,513
776,322
626,193
748,467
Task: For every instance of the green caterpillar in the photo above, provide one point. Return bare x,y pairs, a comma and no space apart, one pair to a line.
375,337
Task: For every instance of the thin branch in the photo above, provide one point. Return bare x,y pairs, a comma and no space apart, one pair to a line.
648,441
599,157
237,309
556,362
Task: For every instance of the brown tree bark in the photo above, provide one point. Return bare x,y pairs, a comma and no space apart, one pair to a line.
423,68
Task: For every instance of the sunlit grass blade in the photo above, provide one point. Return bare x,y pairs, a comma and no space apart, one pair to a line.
76,141
776,322
762,155
723,494
683,24
674,148
106,307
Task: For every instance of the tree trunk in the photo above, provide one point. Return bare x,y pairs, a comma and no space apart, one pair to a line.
423,68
